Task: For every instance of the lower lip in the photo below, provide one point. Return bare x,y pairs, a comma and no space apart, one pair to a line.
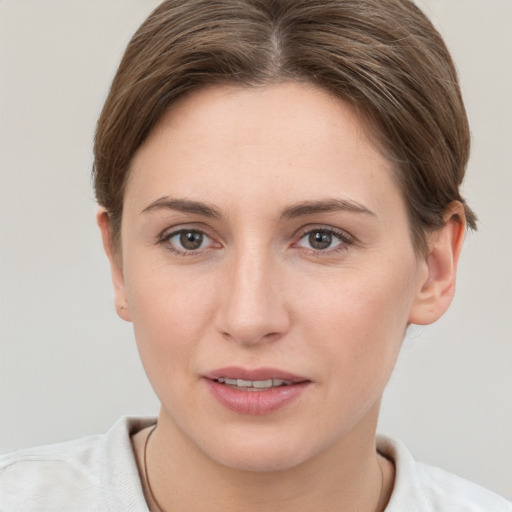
256,403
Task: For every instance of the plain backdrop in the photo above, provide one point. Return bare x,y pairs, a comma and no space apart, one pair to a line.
69,367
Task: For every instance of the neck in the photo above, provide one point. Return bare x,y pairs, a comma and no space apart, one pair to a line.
347,476
292,490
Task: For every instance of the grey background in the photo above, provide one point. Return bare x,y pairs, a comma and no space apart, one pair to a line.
69,366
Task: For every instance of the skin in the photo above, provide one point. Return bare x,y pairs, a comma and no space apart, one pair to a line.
258,293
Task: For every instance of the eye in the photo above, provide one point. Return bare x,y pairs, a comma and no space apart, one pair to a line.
324,239
186,241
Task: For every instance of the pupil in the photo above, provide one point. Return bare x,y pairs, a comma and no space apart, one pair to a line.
320,240
191,240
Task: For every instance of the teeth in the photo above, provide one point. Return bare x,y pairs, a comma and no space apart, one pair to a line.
263,383
258,384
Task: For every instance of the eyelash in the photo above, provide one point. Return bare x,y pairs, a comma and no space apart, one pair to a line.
345,241
165,239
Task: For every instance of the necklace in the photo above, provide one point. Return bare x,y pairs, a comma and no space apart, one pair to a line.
381,482
146,476
159,508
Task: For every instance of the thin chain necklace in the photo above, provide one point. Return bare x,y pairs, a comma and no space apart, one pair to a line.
159,508
381,483
146,475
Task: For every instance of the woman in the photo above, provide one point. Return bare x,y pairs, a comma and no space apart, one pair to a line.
279,200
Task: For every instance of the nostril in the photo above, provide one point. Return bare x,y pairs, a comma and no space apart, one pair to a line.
251,309
252,336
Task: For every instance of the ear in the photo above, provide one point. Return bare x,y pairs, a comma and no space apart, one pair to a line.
435,291
116,269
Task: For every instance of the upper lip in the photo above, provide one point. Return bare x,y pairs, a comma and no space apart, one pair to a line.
254,374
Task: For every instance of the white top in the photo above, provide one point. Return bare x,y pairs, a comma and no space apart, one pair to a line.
99,474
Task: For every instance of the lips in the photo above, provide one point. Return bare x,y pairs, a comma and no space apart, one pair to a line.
255,391
254,385
256,374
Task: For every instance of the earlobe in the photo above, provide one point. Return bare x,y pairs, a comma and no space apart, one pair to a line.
435,291
116,269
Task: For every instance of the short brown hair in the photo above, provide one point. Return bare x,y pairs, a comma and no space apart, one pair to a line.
383,56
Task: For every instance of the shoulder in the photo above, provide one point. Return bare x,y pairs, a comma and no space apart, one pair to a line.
50,475
87,474
425,488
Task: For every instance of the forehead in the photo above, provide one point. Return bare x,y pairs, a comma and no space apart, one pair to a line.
268,116
285,142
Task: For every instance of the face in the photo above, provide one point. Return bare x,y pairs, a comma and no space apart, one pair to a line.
269,273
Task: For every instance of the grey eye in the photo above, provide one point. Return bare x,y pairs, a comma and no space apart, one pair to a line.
191,240
320,240
188,240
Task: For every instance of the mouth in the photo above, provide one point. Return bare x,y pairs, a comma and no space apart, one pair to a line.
253,385
246,379
255,392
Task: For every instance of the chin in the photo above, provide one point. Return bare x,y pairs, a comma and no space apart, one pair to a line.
260,453
260,461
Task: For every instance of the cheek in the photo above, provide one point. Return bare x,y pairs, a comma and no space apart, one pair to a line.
361,319
170,315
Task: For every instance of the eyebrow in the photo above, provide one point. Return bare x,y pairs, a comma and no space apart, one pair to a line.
297,210
183,205
329,205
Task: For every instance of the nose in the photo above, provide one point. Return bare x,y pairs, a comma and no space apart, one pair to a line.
253,309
